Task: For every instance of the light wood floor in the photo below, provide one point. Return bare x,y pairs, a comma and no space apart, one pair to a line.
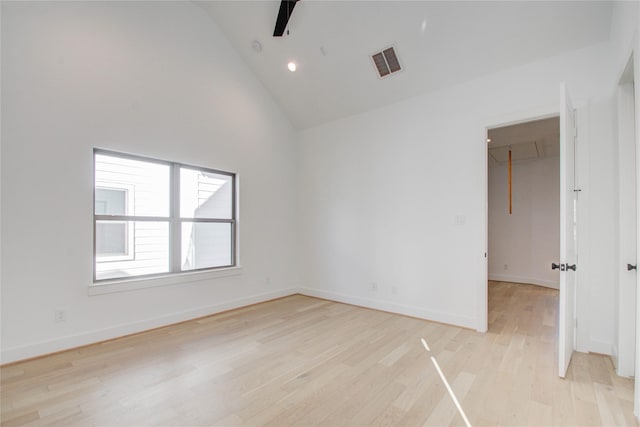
303,361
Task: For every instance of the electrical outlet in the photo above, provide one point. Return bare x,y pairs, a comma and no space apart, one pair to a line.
59,316
374,286
506,267
459,220
267,280
394,290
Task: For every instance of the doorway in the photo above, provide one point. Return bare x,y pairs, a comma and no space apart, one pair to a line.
540,169
567,322
524,202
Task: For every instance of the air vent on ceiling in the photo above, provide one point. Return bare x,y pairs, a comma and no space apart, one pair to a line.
386,62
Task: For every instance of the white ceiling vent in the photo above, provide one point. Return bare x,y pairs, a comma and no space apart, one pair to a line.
386,62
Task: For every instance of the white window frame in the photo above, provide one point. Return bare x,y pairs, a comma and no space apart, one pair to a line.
174,220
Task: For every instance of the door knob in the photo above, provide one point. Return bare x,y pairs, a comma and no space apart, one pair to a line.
571,267
555,266
632,267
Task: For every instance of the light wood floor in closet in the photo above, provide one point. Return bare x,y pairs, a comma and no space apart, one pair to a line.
302,361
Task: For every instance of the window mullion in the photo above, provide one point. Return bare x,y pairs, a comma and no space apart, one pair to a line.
175,238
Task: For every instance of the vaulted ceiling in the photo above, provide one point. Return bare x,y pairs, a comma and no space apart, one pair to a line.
438,44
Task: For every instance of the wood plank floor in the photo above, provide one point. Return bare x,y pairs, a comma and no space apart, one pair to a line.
304,361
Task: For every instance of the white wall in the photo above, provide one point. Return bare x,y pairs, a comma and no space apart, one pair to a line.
624,25
527,241
380,192
154,79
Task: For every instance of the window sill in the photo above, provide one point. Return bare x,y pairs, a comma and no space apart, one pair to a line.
134,284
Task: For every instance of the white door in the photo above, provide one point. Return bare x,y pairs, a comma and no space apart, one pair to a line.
626,341
567,266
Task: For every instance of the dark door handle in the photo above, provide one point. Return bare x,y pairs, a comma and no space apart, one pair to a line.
571,267
632,267
555,266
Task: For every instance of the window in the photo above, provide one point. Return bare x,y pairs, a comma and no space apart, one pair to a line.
154,217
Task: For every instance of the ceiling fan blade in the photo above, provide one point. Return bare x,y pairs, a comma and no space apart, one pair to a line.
286,9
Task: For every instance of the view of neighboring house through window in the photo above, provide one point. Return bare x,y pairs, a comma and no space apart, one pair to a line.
112,237
206,201
155,217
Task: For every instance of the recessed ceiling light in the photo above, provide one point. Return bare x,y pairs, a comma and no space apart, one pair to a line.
292,66
488,139
257,46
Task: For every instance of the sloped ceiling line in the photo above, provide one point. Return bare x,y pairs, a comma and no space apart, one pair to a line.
442,42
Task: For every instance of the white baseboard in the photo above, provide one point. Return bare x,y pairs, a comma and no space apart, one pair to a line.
522,279
8,355
407,310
